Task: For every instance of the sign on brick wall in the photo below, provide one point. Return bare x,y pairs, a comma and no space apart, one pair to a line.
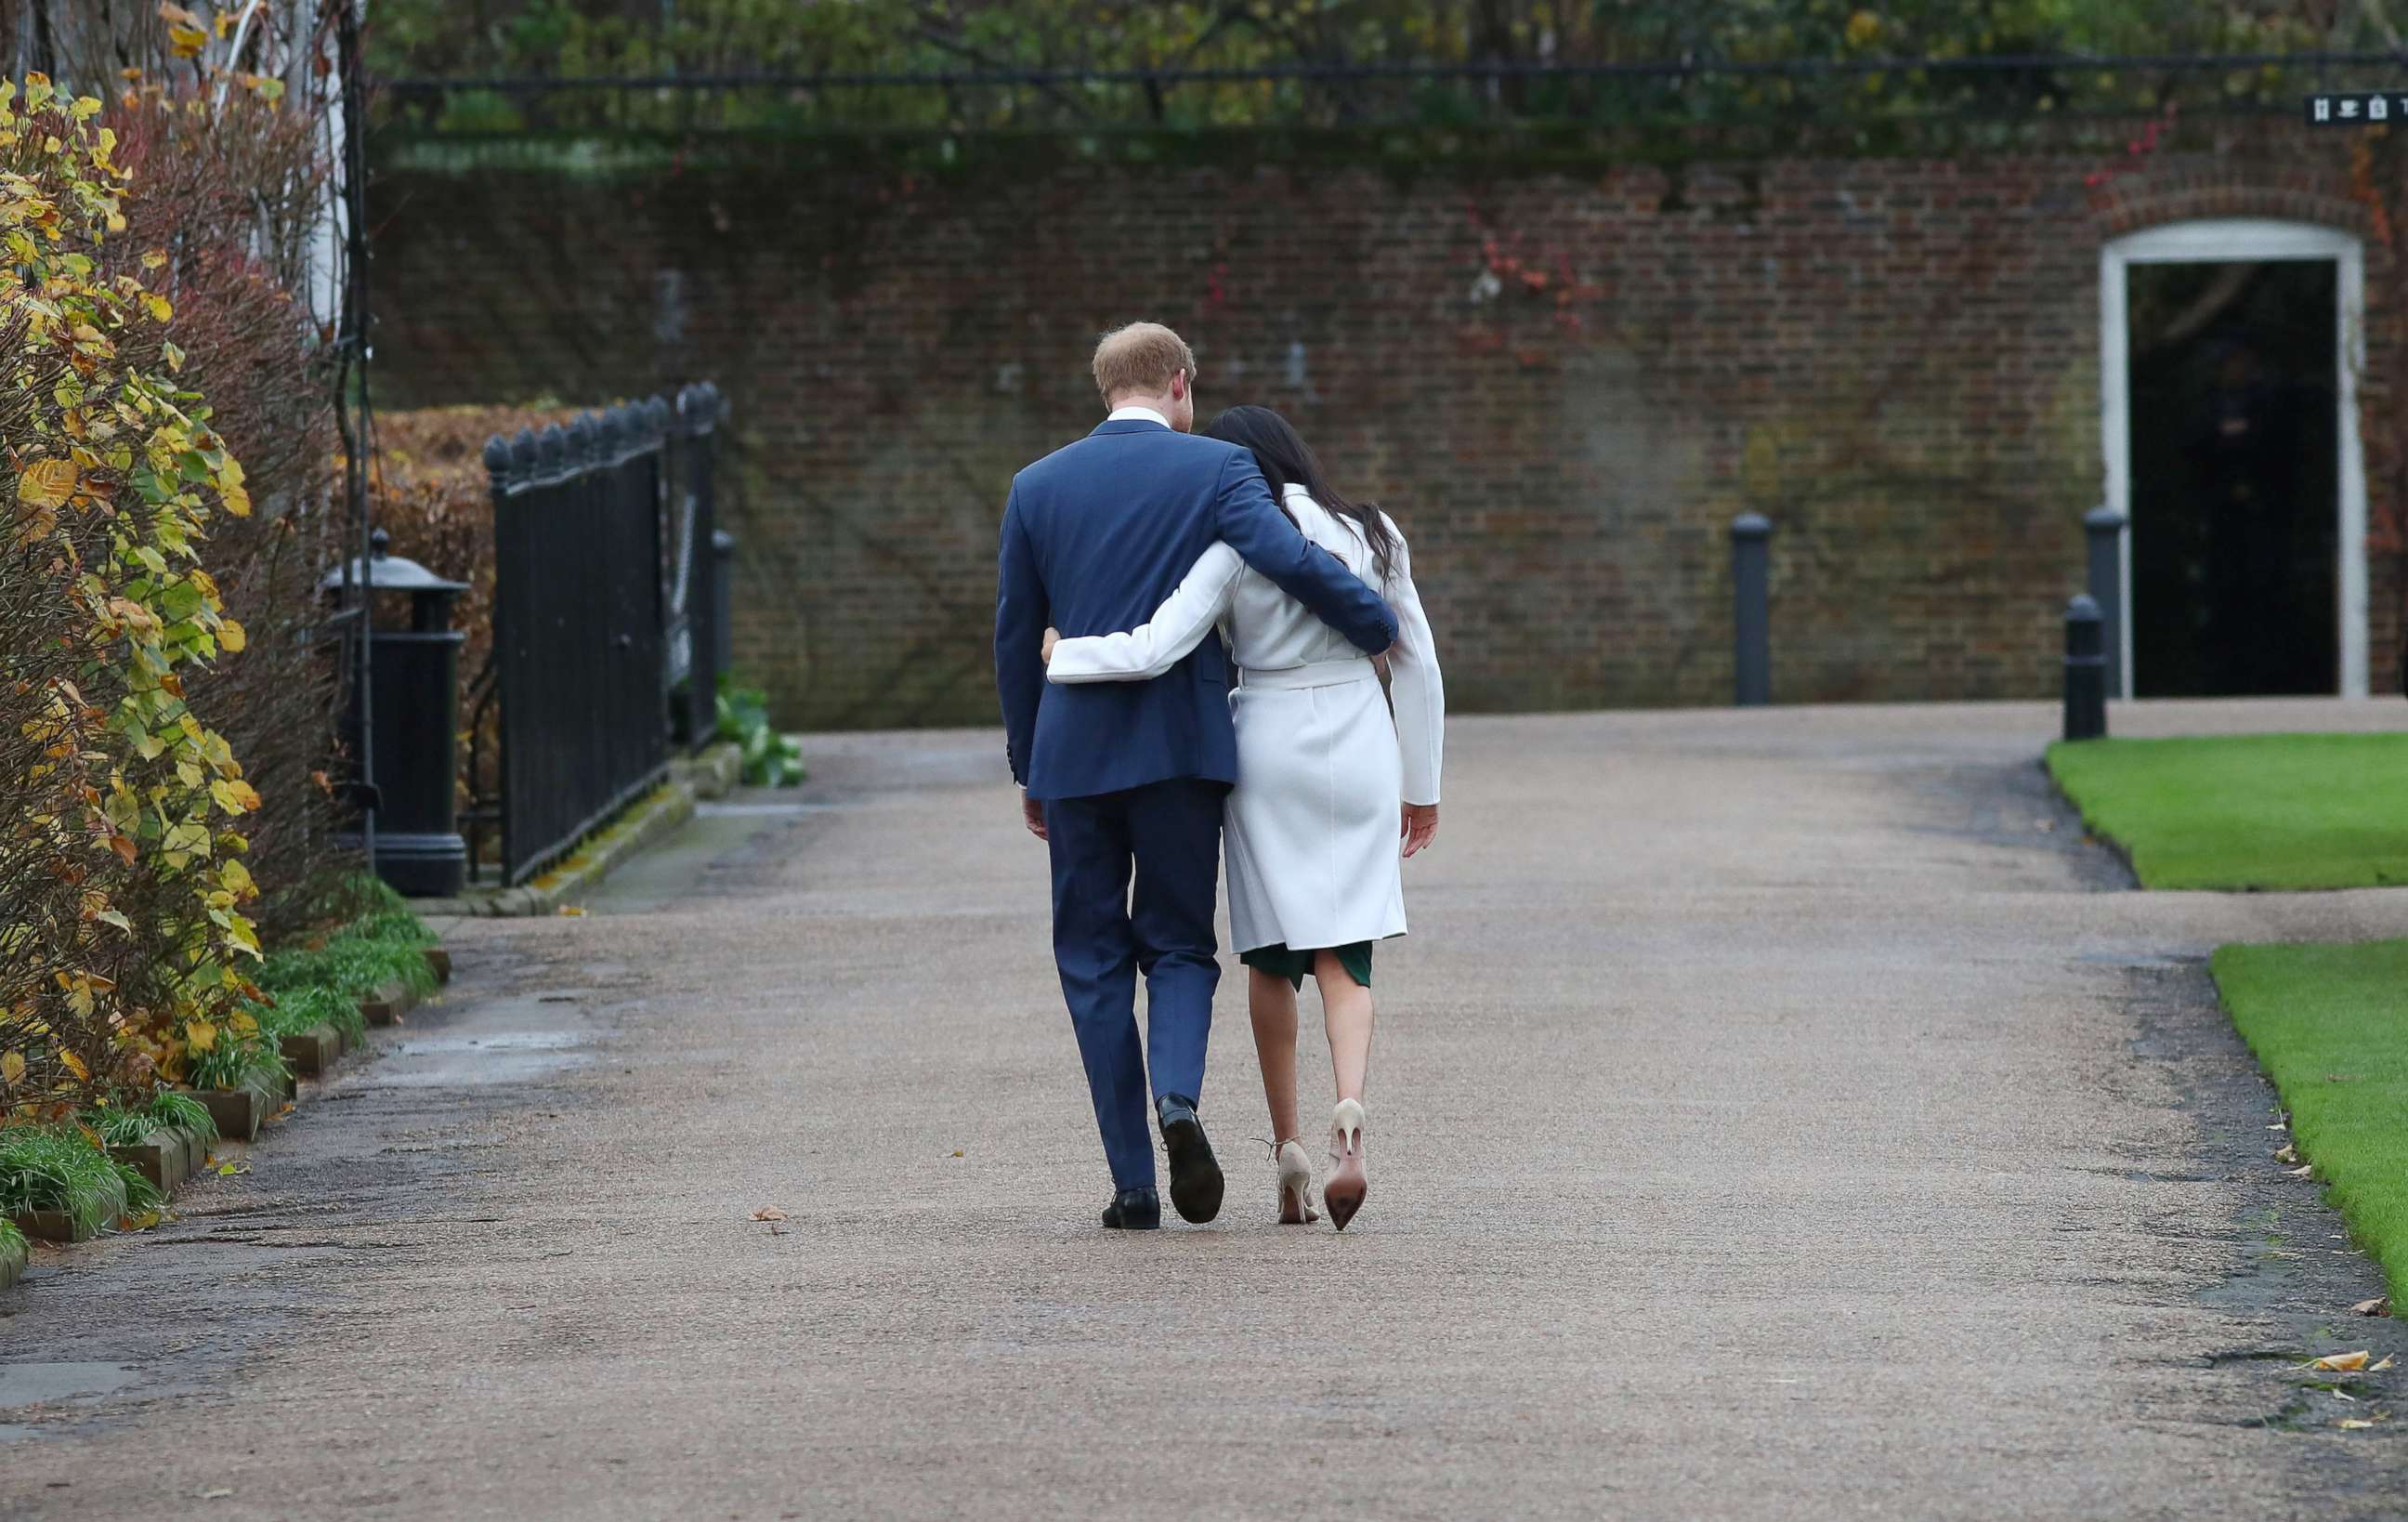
2356,107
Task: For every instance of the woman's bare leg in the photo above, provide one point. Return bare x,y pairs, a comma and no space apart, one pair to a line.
1273,1004
1346,1012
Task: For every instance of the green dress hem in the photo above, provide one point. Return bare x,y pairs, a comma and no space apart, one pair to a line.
1297,964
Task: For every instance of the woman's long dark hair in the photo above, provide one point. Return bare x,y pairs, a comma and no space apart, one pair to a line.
1287,460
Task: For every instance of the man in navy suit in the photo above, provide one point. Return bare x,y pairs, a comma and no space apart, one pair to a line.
1125,780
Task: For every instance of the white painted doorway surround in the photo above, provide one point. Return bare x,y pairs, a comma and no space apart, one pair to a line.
2244,240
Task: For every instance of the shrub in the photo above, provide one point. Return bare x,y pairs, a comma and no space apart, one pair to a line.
123,932
231,191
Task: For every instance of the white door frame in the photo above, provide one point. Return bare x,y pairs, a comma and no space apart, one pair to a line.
2233,240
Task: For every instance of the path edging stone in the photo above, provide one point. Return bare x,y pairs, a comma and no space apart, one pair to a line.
163,1157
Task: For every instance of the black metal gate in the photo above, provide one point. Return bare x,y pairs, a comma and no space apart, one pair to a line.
602,615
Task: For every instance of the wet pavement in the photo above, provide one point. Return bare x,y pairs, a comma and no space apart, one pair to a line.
1781,1114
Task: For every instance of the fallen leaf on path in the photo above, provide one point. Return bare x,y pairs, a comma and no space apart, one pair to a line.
2305,1171
2280,1125
2342,1363
227,1170
2376,1368
2379,1306
2288,1155
215,1495
572,912
957,1152
768,1212
2352,1424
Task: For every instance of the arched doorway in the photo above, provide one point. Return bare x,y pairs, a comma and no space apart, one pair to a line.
2229,353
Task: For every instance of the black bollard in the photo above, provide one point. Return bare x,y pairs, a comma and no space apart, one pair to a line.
723,604
2104,527
2085,671
1751,609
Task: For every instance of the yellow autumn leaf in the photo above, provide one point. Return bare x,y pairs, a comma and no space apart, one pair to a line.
2340,1363
74,1064
231,638
47,483
201,1036
160,306
12,1066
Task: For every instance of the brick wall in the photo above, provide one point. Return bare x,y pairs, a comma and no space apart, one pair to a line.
1564,378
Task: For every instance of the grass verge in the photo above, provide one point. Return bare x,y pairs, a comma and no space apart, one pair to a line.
62,1168
2325,1022
322,983
2244,812
178,1114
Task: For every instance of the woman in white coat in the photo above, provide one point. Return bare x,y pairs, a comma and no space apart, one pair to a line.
1335,785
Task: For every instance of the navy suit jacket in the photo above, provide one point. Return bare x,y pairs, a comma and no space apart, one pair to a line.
1095,536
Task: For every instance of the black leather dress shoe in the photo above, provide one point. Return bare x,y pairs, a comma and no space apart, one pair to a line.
1134,1210
1195,1174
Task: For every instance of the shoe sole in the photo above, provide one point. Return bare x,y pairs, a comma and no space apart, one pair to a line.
1196,1182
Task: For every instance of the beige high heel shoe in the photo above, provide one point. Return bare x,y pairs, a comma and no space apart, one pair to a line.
1343,1194
1294,1185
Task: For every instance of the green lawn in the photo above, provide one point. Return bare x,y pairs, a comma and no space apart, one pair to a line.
2327,1023
2273,811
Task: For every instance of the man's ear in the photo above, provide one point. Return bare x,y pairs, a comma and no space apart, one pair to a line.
1179,385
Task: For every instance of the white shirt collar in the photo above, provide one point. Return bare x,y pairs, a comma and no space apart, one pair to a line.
1295,489
1137,414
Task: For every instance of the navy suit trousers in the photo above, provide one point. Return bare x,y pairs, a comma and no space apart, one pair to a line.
1136,875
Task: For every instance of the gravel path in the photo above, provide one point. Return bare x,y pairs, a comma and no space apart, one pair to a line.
1778,1113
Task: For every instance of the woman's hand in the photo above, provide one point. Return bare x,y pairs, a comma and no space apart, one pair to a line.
1420,826
1045,651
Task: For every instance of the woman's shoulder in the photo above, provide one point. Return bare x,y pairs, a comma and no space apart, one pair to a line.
1310,514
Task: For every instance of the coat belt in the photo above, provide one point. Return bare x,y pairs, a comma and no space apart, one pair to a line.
1318,674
